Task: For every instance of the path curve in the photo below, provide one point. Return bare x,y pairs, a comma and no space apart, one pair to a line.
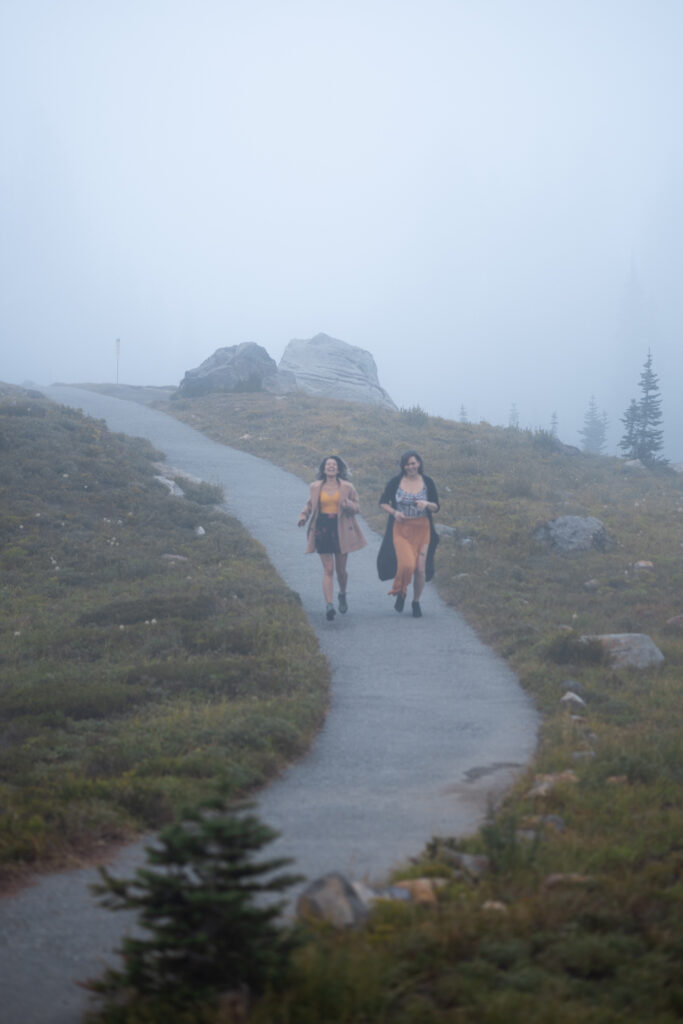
426,725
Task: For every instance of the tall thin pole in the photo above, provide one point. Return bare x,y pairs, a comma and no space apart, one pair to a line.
118,353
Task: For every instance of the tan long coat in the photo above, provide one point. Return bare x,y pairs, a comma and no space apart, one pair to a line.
351,536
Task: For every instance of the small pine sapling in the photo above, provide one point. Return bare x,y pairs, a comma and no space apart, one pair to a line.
205,903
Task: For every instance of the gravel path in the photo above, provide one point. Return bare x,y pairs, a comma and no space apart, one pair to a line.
426,725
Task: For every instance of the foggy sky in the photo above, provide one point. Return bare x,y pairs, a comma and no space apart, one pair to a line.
485,194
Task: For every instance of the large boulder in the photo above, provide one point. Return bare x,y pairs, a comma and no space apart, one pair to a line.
245,367
628,650
331,368
574,533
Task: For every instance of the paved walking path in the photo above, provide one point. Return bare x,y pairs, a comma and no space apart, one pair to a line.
426,724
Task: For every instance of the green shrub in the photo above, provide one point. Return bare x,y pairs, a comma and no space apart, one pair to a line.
207,907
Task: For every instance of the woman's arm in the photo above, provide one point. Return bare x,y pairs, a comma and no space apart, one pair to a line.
306,510
432,502
304,514
349,502
390,510
389,494
388,500
432,496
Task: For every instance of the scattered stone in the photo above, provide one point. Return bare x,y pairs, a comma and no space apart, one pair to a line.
591,585
544,784
575,687
421,890
574,533
569,878
617,780
374,894
199,531
445,531
628,650
572,698
473,864
175,558
332,898
494,906
676,622
170,485
639,567
633,466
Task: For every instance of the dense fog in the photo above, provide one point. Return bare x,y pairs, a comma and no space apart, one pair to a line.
484,194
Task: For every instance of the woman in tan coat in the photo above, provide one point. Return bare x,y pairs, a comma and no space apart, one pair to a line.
333,532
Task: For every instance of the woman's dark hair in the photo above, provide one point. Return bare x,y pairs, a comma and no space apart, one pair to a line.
342,468
410,455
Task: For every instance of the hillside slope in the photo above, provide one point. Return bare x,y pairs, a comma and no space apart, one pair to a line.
148,650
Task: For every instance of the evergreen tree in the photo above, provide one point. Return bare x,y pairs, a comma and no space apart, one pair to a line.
630,419
553,425
643,436
463,414
594,431
202,901
650,436
513,419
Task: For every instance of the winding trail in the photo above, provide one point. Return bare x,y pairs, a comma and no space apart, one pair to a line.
426,726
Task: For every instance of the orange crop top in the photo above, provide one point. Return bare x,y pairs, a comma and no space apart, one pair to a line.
329,503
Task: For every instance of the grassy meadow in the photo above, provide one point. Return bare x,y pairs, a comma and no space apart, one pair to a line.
141,660
580,917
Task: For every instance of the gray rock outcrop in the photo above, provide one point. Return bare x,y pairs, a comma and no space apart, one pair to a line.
574,533
331,368
245,367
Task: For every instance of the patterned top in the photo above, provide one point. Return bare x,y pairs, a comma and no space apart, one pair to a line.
406,503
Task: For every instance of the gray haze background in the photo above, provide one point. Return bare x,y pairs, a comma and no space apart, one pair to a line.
484,194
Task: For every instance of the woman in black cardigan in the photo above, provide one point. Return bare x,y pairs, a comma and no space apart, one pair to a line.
407,551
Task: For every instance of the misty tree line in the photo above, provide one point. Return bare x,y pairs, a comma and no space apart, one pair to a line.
643,437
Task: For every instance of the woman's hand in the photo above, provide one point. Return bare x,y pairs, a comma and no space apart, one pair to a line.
398,516
302,520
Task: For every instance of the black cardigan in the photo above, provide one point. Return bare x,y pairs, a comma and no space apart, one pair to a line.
386,559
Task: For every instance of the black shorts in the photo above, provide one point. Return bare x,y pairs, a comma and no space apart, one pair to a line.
326,535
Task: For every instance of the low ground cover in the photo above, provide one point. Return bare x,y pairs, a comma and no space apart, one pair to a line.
579,917
142,660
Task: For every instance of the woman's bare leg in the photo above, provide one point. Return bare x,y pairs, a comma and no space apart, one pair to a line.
328,577
419,577
405,563
342,574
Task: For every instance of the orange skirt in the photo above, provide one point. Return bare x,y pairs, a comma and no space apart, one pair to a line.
411,536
